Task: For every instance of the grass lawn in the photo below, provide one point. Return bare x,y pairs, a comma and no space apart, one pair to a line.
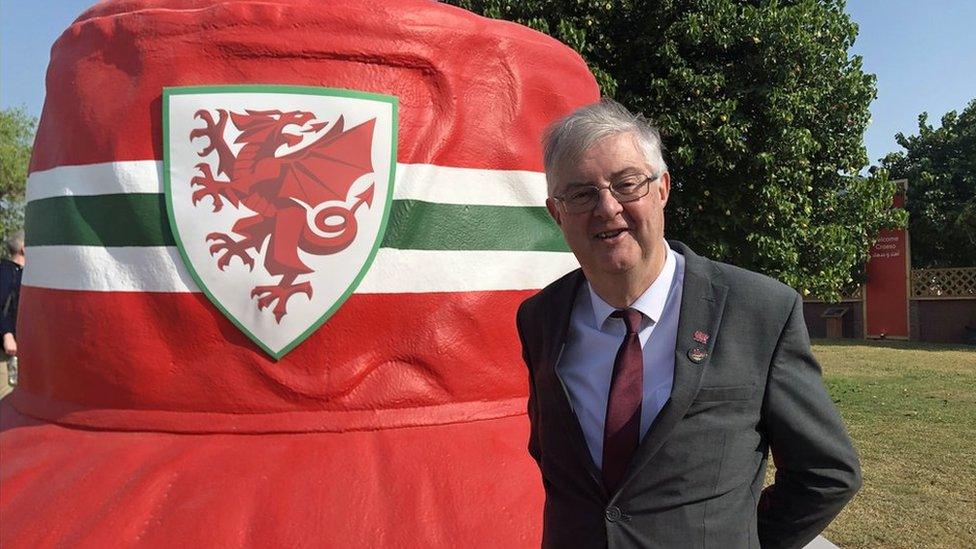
911,410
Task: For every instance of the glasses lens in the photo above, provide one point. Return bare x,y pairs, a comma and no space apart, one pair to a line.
628,189
581,199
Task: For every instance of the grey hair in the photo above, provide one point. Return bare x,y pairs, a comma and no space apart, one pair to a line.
570,136
14,243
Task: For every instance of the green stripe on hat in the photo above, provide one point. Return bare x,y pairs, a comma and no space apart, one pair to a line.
139,219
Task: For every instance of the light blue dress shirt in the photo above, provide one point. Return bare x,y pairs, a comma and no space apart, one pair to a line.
586,364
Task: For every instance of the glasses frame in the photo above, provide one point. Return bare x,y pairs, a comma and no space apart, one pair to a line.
644,188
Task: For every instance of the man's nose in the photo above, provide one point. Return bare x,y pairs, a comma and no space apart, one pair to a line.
607,206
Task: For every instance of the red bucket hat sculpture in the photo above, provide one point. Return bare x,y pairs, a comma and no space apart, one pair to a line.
276,250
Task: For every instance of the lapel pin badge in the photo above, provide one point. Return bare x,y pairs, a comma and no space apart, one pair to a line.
701,337
697,354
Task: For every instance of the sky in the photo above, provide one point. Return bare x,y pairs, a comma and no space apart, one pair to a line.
923,53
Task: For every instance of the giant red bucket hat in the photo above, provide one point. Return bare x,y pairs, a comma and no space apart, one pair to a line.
275,250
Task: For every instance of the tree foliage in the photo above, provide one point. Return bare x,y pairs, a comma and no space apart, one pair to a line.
940,165
763,111
16,136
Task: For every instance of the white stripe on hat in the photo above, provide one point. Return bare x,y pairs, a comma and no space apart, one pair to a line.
161,269
427,182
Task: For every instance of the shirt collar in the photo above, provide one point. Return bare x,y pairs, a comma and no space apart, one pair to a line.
650,303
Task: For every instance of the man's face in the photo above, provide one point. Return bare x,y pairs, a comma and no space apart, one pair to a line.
613,238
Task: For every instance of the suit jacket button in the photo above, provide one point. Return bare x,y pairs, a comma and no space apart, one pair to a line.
613,513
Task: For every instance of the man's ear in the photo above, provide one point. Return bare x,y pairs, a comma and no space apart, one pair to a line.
554,210
664,188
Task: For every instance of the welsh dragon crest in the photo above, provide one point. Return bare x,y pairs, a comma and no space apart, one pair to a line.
284,186
288,194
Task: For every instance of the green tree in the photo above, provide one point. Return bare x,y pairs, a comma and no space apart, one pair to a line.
763,110
940,166
16,136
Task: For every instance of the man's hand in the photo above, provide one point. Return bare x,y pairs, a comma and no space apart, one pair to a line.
9,344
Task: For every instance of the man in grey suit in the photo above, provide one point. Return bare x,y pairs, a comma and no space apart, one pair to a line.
659,380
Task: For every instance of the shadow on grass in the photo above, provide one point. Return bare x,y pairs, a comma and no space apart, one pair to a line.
894,344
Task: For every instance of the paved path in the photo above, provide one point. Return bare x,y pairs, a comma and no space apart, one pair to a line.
820,543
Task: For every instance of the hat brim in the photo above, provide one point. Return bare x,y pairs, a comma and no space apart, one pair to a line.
469,484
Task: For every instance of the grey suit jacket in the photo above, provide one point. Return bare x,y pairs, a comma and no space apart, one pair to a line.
696,479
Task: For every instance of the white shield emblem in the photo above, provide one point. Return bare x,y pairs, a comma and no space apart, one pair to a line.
278,199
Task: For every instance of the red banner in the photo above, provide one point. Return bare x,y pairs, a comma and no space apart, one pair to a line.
886,291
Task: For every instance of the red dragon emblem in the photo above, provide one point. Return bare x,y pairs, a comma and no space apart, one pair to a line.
298,199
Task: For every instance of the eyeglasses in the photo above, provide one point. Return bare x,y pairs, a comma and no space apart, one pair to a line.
583,198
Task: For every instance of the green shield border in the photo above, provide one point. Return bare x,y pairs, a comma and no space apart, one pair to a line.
281,89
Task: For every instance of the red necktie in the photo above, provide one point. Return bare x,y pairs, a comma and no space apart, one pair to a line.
621,430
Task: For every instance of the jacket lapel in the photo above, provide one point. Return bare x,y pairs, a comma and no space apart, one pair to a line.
702,304
557,324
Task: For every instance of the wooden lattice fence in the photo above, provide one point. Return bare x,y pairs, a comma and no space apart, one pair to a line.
958,283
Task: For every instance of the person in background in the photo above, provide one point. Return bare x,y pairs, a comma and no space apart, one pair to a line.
11,270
